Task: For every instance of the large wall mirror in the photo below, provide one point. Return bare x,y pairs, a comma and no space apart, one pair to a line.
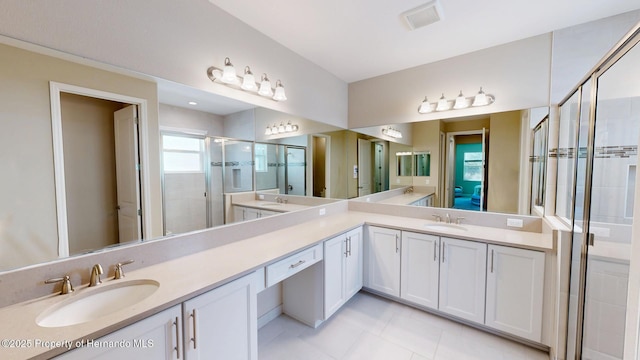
204,151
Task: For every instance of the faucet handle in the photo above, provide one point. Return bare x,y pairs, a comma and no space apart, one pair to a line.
459,220
119,272
438,217
66,284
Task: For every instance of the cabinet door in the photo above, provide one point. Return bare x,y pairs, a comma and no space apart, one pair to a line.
222,324
382,260
462,278
334,270
251,213
515,279
156,337
420,269
238,213
353,268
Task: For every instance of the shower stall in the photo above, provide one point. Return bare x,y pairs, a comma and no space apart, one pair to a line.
197,171
597,159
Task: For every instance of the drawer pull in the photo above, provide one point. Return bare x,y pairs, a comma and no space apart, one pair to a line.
293,266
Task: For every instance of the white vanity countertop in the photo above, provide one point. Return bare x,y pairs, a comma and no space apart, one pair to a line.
183,278
405,199
270,205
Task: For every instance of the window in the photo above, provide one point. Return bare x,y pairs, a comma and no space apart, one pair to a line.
472,166
182,154
261,157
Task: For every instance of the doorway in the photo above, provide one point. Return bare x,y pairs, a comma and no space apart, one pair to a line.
321,168
466,175
380,167
125,216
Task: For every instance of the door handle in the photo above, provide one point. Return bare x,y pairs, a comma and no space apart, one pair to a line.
591,240
443,245
194,337
397,245
435,251
491,261
177,347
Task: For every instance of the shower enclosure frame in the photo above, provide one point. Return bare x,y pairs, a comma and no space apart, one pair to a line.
585,237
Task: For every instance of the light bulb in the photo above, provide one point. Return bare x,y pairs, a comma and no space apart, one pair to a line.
443,104
425,107
480,99
265,86
461,102
249,81
279,95
229,73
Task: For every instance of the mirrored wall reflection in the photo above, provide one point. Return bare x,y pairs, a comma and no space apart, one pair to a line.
196,173
281,168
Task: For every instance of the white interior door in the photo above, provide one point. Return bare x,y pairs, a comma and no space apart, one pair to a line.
127,179
364,167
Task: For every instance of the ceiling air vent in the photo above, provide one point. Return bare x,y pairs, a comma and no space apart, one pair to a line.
423,15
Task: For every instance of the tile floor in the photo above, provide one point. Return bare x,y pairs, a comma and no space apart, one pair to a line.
369,328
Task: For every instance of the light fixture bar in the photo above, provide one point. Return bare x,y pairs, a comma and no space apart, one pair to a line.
281,129
229,77
391,132
460,102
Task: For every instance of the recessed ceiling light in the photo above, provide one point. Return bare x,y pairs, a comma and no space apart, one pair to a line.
193,103
423,15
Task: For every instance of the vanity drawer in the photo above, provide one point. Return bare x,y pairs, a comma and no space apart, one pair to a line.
293,264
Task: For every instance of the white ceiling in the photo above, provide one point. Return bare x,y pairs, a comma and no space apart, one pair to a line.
360,39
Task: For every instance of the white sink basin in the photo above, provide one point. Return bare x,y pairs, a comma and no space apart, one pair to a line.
90,304
272,204
445,227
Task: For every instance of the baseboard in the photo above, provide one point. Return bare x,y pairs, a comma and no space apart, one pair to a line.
270,315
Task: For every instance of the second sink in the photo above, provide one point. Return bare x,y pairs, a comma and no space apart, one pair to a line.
95,303
445,226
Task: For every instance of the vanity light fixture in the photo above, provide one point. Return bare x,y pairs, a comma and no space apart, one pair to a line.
281,129
391,132
460,102
228,76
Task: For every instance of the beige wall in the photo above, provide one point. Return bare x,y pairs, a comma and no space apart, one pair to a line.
177,118
426,137
504,162
90,171
28,227
516,73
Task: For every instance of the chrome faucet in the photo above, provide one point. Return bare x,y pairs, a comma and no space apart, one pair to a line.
438,217
96,271
448,218
278,200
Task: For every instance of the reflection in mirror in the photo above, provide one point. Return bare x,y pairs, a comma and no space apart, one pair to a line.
539,165
504,184
422,161
404,163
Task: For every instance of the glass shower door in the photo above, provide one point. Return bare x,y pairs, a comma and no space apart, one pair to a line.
611,207
296,170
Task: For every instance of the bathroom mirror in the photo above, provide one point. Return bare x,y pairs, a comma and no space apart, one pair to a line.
435,157
404,163
422,161
29,233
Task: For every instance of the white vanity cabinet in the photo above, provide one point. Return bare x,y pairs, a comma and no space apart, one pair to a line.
219,324
243,213
515,279
343,260
462,278
156,337
420,269
382,260
222,323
